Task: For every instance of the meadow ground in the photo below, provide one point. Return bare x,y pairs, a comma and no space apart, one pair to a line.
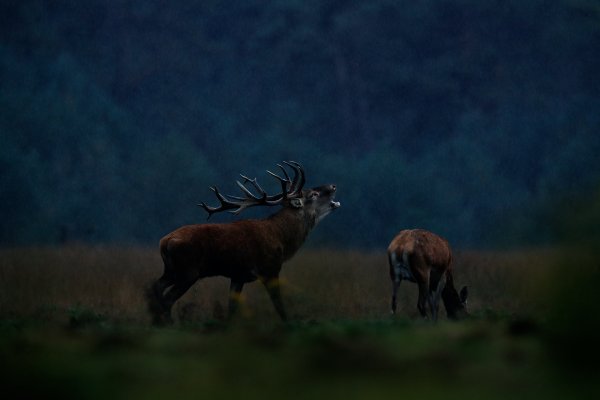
73,323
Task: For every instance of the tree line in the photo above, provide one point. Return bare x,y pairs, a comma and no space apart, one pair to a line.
478,120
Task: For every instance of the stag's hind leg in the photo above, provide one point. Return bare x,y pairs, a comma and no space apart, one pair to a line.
175,292
156,299
168,288
165,281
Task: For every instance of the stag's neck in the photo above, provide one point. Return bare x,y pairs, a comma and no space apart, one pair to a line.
292,227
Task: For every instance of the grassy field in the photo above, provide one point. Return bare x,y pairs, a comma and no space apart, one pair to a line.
73,323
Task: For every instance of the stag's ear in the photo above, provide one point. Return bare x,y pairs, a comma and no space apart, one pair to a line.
464,293
296,203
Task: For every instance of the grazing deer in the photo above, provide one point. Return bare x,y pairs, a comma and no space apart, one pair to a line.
245,250
425,258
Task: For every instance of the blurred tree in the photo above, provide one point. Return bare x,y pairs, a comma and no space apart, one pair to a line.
169,177
466,117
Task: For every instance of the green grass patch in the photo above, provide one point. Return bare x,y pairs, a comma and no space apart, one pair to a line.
352,359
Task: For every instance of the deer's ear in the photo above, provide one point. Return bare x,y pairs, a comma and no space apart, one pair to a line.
296,203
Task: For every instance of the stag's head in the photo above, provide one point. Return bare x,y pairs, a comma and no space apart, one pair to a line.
314,204
318,202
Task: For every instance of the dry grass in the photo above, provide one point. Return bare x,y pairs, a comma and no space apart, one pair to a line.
317,284
342,343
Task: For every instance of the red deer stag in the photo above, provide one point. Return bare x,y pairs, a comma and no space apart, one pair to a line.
244,250
425,258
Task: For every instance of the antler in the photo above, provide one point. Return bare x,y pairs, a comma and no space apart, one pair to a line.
235,204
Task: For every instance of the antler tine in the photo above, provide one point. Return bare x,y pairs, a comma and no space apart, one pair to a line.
207,208
217,193
232,197
275,175
254,183
259,189
225,204
299,180
287,180
284,181
248,193
287,177
236,204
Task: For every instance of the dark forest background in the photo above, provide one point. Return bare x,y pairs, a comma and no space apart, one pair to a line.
476,119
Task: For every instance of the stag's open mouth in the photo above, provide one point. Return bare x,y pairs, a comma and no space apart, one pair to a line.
331,192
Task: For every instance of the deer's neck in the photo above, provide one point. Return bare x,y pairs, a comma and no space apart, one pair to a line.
292,228
451,299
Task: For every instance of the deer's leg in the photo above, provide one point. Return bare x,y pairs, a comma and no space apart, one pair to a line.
273,287
423,298
176,291
395,286
156,294
436,286
422,279
235,292
155,298
161,284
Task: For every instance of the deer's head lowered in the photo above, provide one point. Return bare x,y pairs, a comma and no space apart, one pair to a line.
425,258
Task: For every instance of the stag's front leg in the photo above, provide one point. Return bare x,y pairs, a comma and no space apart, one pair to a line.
273,287
235,293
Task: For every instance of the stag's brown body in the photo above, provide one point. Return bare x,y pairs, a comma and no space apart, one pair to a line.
425,258
242,251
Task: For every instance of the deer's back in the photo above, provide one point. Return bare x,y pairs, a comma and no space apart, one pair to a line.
223,249
422,246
